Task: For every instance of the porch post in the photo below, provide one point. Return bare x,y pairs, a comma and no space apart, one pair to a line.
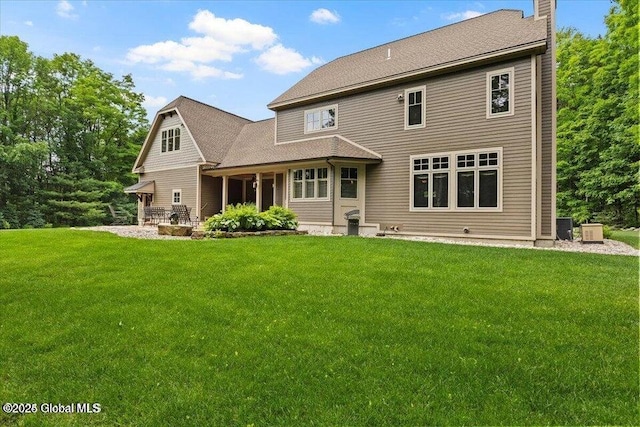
225,195
198,194
273,187
259,191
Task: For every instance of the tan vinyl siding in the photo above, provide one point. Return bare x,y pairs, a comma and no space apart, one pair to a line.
211,195
187,155
455,120
312,211
169,180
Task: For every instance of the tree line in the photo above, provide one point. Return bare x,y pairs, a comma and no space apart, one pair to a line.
70,132
598,152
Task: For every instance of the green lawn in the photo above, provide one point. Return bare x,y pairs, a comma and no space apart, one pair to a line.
314,331
631,238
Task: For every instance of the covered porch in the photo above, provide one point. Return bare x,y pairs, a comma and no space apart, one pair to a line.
264,188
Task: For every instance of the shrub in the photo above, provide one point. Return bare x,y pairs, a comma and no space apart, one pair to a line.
245,217
606,232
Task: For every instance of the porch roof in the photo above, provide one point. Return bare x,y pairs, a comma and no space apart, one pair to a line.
142,187
254,146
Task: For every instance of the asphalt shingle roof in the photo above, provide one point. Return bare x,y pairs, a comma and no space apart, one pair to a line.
213,130
255,146
232,141
491,33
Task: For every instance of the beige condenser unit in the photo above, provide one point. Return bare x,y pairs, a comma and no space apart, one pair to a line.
592,233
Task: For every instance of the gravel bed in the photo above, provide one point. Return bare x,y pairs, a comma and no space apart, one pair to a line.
610,247
135,231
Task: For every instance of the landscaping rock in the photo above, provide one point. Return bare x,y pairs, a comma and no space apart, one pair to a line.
175,230
197,235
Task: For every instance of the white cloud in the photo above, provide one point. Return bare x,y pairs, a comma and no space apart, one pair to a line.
234,32
282,60
195,49
324,16
199,71
64,9
28,23
154,102
220,40
461,16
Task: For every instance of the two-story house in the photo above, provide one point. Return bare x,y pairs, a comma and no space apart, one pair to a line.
446,133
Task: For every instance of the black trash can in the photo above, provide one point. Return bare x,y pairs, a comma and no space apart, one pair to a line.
353,222
353,227
564,228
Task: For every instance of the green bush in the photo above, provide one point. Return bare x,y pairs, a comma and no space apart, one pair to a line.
606,232
245,217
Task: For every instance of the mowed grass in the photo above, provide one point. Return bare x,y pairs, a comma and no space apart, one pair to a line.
314,331
631,238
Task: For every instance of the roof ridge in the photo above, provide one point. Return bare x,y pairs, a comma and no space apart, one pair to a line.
180,98
422,33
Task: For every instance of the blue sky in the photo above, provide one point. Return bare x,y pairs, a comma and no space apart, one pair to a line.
239,56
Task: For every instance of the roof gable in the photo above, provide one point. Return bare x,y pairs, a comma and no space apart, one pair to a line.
212,130
469,40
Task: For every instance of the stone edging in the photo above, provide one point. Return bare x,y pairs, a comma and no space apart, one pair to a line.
197,235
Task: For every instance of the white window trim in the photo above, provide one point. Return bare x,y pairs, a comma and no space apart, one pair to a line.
173,193
453,180
449,171
326,107
511,72
315,187
423,89
174,128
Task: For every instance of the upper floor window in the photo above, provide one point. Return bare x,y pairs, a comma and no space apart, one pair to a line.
310,183
500,93
170,140
414,110
324,118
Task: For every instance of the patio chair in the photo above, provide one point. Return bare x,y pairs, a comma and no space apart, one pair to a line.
153,215
184,213
119,216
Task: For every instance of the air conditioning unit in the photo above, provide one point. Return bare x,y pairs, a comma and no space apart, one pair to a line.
592,233
564,228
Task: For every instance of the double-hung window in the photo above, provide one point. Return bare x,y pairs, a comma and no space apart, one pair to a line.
310,183
500,93
478,180
325,118
414,111
170,140
457,180
430,182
